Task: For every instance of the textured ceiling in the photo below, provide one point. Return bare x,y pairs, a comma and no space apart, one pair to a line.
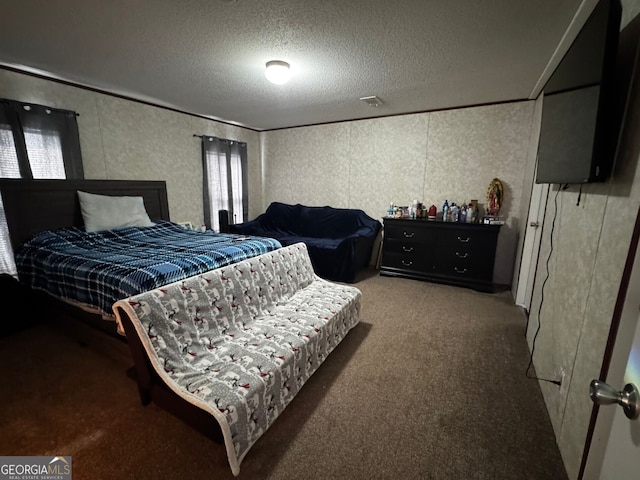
207,57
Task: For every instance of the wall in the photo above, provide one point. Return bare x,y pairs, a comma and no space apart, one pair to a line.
431,157
575,308
363,164
126,140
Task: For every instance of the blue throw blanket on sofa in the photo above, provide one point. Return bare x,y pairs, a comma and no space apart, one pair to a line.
339,240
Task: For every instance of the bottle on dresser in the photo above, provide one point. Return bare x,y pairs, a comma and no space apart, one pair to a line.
454,212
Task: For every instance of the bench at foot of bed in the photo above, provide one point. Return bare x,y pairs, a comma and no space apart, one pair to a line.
227,350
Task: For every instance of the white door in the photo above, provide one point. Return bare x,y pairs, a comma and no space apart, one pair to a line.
531,247
622,454
614,451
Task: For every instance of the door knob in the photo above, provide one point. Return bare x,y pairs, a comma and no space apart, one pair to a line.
534,224
604,394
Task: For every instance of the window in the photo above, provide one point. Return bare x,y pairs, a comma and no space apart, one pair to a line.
225,180
35,142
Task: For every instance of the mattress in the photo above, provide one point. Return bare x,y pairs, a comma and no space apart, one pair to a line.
96,269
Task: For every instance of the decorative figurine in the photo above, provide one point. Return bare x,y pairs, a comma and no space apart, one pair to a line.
495,197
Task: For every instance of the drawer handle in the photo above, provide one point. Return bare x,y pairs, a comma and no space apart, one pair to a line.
408,235
462,255
464,240
464,270
407,249
407,263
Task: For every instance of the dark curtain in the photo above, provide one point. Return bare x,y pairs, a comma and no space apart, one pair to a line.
15,163
224,180
54,128
35,142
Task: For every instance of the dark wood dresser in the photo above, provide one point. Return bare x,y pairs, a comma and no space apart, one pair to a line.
459,254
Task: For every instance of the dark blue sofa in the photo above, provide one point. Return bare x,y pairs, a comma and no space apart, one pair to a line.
339,240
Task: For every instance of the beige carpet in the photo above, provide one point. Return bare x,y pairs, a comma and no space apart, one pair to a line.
430,385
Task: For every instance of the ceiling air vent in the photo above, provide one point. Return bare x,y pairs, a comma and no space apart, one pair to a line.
372,101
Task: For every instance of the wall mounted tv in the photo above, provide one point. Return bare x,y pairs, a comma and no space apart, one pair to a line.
578,132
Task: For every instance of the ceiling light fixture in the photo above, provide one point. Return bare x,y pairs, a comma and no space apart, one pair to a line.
278,72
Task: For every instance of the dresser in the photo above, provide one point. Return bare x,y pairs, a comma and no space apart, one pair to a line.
459,254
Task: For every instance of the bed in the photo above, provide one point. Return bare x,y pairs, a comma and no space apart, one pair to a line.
90,271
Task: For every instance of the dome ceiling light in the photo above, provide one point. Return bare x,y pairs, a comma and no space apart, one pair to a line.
278,72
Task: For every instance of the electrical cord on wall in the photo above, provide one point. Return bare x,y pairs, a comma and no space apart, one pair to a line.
533,344
579,196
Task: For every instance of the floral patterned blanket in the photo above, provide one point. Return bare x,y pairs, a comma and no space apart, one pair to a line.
240,341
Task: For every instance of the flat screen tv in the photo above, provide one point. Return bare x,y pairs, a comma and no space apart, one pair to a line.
578,132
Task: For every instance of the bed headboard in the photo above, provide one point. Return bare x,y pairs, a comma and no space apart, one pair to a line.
32,206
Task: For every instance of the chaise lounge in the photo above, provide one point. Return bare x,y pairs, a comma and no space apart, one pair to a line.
340,240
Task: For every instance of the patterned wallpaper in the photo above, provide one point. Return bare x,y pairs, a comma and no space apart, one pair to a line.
364,164
430,157
122,139
590,245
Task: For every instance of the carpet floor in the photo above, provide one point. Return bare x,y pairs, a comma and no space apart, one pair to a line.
429,385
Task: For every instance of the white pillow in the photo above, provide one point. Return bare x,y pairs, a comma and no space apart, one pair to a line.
104,212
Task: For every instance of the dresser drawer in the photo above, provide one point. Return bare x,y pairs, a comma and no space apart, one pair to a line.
406,255
408,231
406,262
402,247
471,267
467,239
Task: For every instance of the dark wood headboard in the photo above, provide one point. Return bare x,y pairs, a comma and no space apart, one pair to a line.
32,206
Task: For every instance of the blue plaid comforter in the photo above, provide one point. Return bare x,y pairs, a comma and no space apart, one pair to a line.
97,269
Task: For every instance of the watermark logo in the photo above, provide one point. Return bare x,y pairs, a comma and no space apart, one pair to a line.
35,468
